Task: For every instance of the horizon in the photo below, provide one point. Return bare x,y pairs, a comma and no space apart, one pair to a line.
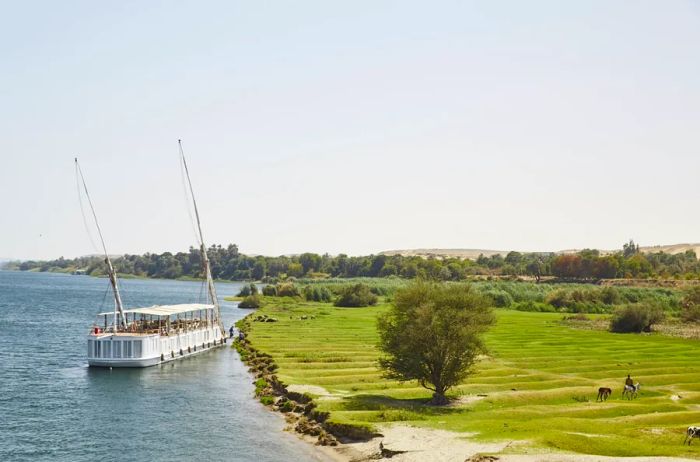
643,248
516,126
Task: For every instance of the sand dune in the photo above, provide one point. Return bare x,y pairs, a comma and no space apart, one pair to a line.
473,254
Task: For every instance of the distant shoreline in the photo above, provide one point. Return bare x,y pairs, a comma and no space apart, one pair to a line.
129,276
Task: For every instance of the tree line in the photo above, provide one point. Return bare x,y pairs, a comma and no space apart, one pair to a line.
228,263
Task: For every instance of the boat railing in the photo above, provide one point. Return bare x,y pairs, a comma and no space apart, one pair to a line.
151,328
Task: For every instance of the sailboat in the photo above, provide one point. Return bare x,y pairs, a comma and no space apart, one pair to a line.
142,337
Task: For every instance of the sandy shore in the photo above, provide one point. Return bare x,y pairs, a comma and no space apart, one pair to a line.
401,443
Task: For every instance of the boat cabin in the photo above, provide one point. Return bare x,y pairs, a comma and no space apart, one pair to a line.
152,335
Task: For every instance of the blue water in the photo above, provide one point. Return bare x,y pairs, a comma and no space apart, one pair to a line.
53,407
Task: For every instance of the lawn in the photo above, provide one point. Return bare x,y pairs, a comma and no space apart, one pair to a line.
540,380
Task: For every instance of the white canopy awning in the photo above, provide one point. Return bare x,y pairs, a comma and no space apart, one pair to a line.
165,310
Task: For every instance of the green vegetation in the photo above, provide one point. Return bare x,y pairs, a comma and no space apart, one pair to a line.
636,318
521,296
537,386
432,334
228,264
248,290
691,305
251,301
355,296
314,293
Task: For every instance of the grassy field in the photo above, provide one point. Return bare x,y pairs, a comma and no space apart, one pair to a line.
540,381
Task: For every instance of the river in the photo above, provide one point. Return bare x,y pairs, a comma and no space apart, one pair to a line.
53,407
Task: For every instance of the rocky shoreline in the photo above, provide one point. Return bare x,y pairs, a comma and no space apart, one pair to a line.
299,409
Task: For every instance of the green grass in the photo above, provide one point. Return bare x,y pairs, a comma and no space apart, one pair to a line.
537,378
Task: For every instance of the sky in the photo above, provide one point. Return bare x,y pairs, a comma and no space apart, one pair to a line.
350,127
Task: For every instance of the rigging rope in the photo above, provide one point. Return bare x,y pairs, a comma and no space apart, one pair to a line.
82,210
92,208
188,202
104,297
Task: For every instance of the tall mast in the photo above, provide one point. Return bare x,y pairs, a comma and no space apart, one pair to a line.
118,307
205,258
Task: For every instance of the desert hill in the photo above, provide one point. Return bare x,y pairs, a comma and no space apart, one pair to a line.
473,254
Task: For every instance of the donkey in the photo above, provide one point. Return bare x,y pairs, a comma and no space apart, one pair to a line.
631,391
603,393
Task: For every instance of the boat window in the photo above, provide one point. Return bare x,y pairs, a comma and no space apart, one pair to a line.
137,349
107,349
98,349
128,354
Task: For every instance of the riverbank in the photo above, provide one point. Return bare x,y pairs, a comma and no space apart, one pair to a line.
533,396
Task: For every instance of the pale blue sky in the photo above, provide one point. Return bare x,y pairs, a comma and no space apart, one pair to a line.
350,127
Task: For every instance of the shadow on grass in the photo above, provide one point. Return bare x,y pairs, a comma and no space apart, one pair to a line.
417,406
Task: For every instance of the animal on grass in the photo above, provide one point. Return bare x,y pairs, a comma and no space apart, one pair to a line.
692,432
603,393
631,391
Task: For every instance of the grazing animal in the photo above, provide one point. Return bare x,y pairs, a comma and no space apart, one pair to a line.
631,391
603,393
692,432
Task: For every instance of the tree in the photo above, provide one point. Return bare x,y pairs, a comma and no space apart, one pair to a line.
432,334
606,267
567,266
630,249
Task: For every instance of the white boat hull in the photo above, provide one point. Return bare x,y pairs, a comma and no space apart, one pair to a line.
133,350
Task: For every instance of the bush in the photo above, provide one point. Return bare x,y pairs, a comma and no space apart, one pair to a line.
610,296
636,318
691,305
534,306
317,294
355,296
248,290
501,298
251,301
558,298
691,313
287,289
269,291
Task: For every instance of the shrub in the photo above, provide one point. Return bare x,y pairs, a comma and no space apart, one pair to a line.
250,289
691,305
287,289
355,296
610,296
269,291
251,301
501,298
534,306
558,298
691,313
636,318
317,294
